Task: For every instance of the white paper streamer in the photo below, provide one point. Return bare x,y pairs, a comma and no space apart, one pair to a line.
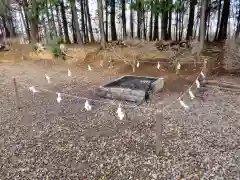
202,74
179,66
138,64
69,73
183,104
87,106
48,78
158,66
120,113
89,68
59,98
191,94
101,63
33,89
197,83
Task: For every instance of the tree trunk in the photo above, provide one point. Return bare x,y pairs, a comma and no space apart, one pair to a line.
124,19
191,19
53,20
138,23
75,21
89,21
151,23
65,25
74,30
144,26
101,24
177,17
170,21
34,21
83,20
7,32
202,26
59,21
131,19
86,24
106,17
113,25
155,30
26,15
224,20
219,17
49,23
238,25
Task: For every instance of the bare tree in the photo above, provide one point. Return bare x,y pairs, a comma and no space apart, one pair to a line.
101,24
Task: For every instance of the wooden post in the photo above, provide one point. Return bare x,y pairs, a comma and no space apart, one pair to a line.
16,93
159,130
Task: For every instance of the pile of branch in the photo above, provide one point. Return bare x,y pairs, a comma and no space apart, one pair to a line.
164,45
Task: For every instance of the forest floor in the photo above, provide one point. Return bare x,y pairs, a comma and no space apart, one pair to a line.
47,140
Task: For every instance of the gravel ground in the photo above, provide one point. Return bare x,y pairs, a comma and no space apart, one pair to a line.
47,140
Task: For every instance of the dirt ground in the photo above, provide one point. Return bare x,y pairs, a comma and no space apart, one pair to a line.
47,140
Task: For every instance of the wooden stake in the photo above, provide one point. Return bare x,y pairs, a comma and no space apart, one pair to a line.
159,131
16,93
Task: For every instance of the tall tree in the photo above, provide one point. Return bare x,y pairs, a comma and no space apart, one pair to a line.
191,19
59,20
164,32
34,21
124,19
75,21
238,24
113,25
224,20
131,19
83,20
202,25
170,7
219,17
64,19
101,24
106,17
156,14
151,22
89,21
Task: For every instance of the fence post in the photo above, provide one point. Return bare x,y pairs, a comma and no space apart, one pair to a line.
16,93
159,130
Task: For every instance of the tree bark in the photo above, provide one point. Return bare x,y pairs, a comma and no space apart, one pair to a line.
83,20
53,20
106,17
155,30
86,24
34,21
89,21
131,19
65,26
113,25
238,25
26,15
191,19
101,24
170,21
151,23
219,17
224,21
59,21
75,21
124,20
202,26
